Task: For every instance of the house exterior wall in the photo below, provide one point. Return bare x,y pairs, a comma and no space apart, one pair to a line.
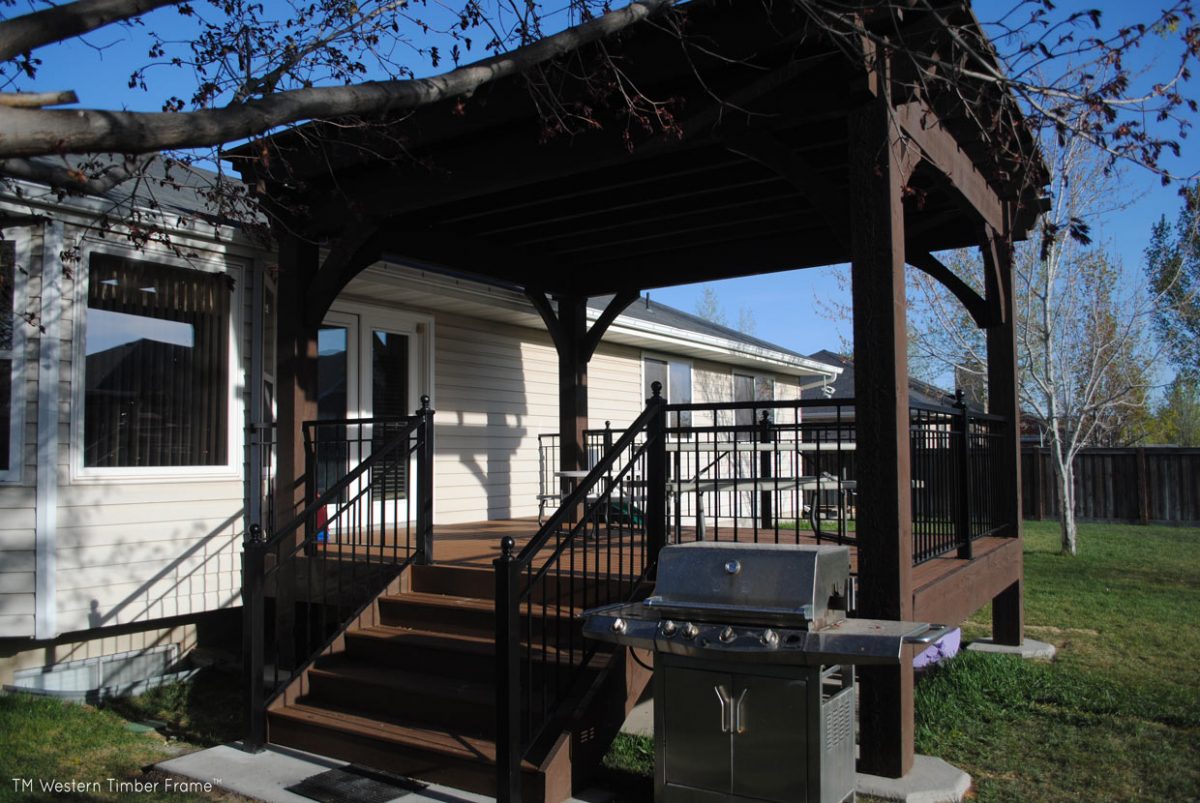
496,390
125,547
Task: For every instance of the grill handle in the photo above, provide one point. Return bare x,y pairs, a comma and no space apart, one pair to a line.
931,634
739,714
728,714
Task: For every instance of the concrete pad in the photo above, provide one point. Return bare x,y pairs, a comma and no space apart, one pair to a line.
267,774
640,721
1030,649
931,780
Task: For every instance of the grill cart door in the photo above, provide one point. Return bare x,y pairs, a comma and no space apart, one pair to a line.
697,713
770,743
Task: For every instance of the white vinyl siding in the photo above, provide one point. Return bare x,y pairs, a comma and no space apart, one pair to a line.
133,549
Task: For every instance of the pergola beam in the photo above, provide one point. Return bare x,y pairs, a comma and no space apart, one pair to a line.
938,146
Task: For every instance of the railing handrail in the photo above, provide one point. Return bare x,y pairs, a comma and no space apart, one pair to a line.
757,405
585,485
393,443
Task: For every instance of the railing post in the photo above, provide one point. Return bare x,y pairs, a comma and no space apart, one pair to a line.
656,479
765,463
253,554
508,674
425,485
962,525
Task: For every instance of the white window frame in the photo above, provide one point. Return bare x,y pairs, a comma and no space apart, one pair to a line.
668,359
18,358
217,262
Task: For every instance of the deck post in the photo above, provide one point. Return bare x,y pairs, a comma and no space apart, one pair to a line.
1008,610
572,392
425,485
253,633
879,167
296,402
508,674
656,480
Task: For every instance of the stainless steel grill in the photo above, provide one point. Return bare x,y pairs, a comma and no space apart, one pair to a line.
754,669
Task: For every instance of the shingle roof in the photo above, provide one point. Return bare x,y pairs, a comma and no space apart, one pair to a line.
645,309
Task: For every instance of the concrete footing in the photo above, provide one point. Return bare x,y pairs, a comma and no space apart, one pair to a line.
1030,649
931,780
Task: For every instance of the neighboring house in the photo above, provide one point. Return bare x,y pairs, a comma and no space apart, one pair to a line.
842,387
133,372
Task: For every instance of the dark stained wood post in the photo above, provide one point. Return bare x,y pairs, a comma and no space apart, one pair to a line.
1008,608
296,402
878,171
576,344
572,390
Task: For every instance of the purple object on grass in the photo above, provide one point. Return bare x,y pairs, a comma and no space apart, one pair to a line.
944,648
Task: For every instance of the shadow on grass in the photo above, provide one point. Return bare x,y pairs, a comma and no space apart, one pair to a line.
203,711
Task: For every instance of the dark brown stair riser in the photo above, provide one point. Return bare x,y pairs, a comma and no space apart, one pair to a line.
452,619
412,761
480,584
448,658
469,711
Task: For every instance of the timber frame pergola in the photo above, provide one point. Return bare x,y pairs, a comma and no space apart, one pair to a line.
786,153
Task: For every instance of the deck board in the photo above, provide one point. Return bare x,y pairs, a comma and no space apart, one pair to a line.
477,544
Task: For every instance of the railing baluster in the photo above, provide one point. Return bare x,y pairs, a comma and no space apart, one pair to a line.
508,674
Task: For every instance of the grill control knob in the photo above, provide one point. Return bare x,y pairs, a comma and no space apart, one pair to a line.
770,638
619,625
727,634
669,628
690,630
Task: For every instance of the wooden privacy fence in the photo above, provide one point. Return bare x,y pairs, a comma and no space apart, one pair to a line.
1150,484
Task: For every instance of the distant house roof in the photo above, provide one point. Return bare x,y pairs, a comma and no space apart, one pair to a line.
649,316
843,386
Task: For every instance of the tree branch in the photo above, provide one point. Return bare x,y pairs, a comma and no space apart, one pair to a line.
22,34
29,132
65,177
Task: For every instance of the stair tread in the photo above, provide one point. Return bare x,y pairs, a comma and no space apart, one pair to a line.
466,603
343,668
459,642
452,744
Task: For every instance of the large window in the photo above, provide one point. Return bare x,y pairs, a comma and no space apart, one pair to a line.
7,278
157,365
676,379
750,389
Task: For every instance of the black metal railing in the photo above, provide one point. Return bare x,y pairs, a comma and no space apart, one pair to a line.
313,576
598,547
958,477
767,471
785,471
259,468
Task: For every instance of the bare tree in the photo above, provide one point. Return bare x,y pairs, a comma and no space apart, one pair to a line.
1082,347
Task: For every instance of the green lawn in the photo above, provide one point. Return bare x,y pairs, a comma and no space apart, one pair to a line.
1116,717
46,740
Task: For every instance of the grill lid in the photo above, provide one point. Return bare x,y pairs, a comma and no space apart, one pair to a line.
772,584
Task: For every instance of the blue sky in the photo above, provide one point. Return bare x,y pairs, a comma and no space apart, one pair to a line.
785,305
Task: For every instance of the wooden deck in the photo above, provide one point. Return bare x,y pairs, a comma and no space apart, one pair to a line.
946,589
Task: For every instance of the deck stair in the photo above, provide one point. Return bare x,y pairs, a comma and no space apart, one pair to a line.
410,688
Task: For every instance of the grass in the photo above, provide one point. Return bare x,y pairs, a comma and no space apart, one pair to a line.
44,739
1116,717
